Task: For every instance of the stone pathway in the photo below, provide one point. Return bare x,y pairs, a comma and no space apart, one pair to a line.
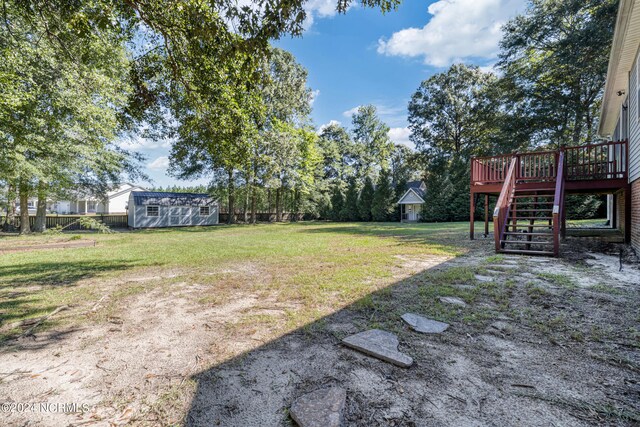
453,301
324,407
380,344
422,324
320,408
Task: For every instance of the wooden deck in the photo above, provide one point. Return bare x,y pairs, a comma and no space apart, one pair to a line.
529,213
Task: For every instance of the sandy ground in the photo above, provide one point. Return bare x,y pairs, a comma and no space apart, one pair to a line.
562,355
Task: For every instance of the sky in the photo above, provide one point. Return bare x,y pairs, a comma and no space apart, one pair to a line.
367,57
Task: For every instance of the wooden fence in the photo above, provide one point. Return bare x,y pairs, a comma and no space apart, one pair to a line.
261,217
69,221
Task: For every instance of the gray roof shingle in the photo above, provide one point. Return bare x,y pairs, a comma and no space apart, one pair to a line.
171,199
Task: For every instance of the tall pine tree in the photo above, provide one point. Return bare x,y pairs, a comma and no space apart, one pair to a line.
365,201
382,205
349,210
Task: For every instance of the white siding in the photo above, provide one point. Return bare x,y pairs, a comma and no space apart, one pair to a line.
634,124
410,197
118,204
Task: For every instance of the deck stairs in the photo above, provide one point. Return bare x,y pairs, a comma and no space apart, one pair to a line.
527,214
529,225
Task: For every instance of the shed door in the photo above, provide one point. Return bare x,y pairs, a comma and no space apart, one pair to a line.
179,215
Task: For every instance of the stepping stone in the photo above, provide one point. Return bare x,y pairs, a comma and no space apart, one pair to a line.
453,300
424,325
380,344
320,408
484,278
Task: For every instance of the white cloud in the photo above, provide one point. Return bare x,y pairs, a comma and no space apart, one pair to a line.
326,125
400,136
458,30
351,111
138,143
161,162
314,95
319,9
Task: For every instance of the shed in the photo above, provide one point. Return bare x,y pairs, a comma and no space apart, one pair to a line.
411,201
150,209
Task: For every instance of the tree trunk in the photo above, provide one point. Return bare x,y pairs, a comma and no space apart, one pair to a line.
253,204
24,210
296,204
9,219
232,198
278,204
246,202
41,213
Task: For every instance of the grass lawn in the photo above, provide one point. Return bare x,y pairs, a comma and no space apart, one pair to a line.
320,265
228,325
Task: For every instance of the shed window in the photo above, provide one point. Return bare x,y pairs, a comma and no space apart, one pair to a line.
152,211
204,210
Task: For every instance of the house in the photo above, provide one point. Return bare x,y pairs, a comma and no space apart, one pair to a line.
150,209
114,202
620,110
411,201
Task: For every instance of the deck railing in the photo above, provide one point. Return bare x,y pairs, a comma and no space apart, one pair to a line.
558,204
501,211
588,162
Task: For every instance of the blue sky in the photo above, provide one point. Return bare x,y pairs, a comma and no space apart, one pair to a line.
365,57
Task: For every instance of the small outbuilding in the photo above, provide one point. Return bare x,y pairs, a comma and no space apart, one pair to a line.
411,201
151,209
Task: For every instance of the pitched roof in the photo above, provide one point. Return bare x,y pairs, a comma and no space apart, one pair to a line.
417,186
171,199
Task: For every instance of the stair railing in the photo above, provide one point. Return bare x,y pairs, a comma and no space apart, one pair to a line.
558,204
501,211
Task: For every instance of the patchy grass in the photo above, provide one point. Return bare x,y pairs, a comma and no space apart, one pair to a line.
558,279
323,266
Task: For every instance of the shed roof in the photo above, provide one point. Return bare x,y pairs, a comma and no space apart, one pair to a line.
417,186
171,199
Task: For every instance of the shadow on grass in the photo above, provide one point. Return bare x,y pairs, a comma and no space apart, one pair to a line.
57,273
452,371
25,292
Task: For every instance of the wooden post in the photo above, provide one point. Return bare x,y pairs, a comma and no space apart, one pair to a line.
486,215
471,216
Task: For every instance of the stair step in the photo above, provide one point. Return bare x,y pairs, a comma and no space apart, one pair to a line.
532,217
519,233
525,252
534,210
542,197
526,242
515,202
530,225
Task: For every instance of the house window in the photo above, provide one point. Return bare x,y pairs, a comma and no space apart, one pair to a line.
153,211
204,210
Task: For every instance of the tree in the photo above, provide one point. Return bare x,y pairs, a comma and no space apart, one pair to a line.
349,211
449,114
60,111
337,202
555,55
453,116
383,198
365,202
338,151
372,143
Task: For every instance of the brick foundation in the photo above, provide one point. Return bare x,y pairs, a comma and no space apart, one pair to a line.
635,214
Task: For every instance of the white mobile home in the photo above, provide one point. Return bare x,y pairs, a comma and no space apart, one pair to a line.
150,209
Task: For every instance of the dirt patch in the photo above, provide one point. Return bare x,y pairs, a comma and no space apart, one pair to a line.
544,342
